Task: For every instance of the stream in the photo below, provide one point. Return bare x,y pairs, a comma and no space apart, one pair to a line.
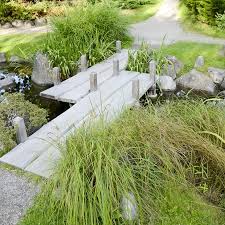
12,82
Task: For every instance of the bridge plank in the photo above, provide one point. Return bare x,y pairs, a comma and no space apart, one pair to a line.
24,154
110,109
103,69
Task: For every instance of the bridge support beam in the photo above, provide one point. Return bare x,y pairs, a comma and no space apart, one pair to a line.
152,70
83,63
93,82
116,67
21,133
118,46
56,75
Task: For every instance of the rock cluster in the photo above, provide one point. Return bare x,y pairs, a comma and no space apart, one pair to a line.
43,74
24,24
197,82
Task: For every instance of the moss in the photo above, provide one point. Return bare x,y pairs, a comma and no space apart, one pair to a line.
15,105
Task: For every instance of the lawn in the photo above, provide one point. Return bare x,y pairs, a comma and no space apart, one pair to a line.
23,45
196,26
187,52
142,13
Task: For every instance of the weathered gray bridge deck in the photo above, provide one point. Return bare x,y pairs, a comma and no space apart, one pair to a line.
76,87
40,153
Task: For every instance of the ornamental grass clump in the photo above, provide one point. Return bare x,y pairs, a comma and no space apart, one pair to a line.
91,30
163,155
139,60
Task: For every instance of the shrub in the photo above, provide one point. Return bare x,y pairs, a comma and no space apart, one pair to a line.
90,30
15,105
126,4
14,11
220,21
132,4
205,10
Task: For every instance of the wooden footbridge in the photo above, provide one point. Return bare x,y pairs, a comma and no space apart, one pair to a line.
102,90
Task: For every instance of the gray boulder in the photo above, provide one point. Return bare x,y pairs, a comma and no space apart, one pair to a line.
40,22
15,59
28,24
200,62
129,207
216,74
2,57
167,84
42,71
7,26
17,23
169,70
198,83
6,83
178,65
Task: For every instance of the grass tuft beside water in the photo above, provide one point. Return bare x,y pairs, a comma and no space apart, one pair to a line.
164,155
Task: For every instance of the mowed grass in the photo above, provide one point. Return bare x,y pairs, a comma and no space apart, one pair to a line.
169,156
142,13
195,26
187,52
23,45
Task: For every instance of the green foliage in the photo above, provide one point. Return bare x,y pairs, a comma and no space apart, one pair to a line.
139,60
15,105
90,30
205,10
126,4
11,11
132,4
152,152
187,52
220,21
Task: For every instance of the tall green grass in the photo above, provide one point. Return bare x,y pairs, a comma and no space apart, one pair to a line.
139,61
159,153
91,30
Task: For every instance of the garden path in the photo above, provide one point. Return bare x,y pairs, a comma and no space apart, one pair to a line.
16,195
166,24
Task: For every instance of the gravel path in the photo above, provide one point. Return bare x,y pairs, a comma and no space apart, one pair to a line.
166,24
16,194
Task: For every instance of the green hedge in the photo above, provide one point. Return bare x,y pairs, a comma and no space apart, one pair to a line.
126,4
205,10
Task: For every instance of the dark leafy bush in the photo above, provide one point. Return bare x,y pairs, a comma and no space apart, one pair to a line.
90,30
10,11
205,10
220,21
132,4
127,4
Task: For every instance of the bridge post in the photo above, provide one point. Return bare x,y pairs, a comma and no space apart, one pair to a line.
21,133
83,63
152,71
135,89
93,82
136,92
56,75
116,67
118,46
